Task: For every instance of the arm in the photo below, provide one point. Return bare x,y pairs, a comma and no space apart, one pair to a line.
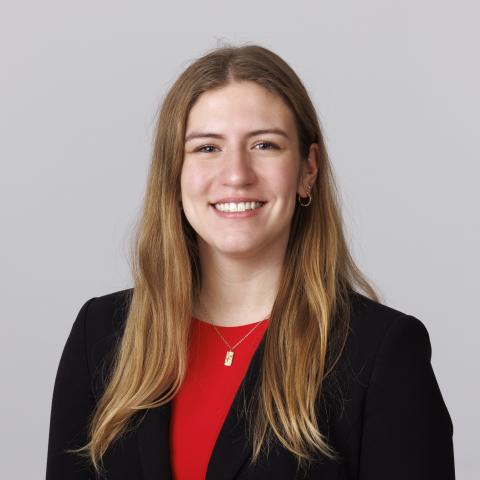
72,403
407,430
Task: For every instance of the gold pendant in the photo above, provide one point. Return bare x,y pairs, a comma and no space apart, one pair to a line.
228,358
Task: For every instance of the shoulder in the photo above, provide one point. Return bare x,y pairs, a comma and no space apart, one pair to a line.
102,320
106,314
378,331
386,357
372,322
394,396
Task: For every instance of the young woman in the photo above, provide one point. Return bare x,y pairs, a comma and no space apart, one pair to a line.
246,348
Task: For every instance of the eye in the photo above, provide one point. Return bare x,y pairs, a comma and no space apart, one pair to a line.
268,144
210,148
201,149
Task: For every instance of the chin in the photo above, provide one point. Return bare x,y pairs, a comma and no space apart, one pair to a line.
232,249
236,248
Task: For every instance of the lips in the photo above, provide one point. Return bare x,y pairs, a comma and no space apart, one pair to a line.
251,212
237,200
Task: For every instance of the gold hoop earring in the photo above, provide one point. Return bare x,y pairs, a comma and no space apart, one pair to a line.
307,188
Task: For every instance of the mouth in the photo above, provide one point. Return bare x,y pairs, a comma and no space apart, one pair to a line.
239,201
238,206
240,210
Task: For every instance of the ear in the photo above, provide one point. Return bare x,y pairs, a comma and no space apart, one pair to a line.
308,170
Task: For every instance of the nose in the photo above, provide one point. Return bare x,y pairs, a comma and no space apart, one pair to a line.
237,168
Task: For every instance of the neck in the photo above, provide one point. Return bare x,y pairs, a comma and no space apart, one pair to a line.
237,291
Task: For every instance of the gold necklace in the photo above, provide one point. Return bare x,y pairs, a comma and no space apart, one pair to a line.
229,355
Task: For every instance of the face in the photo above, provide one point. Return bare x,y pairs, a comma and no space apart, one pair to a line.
241,145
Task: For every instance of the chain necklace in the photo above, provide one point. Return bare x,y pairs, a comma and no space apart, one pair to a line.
229,356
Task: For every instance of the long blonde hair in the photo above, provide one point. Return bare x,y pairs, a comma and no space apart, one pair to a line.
309,319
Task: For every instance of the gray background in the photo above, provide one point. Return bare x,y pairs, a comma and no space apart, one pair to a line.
396,87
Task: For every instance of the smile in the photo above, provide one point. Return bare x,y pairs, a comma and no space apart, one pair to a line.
238,210
237,207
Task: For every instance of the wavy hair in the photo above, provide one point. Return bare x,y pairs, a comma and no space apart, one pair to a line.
310,316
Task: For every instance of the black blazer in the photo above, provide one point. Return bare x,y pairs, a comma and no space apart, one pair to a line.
390,421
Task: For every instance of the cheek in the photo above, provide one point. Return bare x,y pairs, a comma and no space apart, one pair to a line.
193,180
284,181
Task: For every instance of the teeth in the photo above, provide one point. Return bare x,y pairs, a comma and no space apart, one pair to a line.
237,207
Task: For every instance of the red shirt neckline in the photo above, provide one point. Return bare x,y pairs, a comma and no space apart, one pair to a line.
246,325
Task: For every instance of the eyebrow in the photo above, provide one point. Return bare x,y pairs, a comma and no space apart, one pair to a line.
192,135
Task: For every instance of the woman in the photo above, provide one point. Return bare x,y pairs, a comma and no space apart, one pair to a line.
245,349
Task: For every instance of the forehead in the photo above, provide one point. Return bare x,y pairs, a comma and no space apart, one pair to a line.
242,105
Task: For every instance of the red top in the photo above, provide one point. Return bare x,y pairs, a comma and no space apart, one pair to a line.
204,399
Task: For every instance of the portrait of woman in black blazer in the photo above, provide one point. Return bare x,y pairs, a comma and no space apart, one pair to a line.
250,346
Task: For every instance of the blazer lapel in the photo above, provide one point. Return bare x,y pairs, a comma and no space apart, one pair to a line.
153,443
230,450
